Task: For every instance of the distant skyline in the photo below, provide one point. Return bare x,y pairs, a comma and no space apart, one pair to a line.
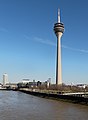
28,42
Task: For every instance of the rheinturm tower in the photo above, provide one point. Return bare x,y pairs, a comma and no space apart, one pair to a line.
58,29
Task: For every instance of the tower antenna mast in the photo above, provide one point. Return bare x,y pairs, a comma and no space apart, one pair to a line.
58,15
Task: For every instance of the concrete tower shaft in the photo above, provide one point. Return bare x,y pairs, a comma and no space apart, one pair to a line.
58,29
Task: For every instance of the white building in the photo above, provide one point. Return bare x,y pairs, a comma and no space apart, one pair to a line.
5,79
82,85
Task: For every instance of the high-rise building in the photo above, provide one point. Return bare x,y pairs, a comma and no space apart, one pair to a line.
5,79
58,29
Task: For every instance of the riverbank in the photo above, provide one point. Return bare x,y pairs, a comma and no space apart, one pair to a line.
3,89
54,96
61,97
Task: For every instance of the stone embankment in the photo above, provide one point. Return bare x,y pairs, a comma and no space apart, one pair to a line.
57,96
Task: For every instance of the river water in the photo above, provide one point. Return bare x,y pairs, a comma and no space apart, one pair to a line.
21,106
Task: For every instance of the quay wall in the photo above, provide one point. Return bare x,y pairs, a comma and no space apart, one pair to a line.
67,98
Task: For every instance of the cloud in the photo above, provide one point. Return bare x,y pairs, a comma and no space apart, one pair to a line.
48,42
27,37
74,49
3,30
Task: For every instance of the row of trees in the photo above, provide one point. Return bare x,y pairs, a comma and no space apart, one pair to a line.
61,88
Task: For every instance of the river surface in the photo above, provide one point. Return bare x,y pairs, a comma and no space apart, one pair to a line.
21,106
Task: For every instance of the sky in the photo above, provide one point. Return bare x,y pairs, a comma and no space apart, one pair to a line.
28,42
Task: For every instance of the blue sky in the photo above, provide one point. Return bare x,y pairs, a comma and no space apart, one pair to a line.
28,42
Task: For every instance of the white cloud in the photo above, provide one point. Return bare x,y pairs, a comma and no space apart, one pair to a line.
48,42
3,30
27,37
74,49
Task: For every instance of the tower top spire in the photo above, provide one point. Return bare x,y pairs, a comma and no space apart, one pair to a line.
58,15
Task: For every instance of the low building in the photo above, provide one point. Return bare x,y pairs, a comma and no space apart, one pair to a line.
82,85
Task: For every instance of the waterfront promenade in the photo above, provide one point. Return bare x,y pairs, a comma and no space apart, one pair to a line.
76,97
80,97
